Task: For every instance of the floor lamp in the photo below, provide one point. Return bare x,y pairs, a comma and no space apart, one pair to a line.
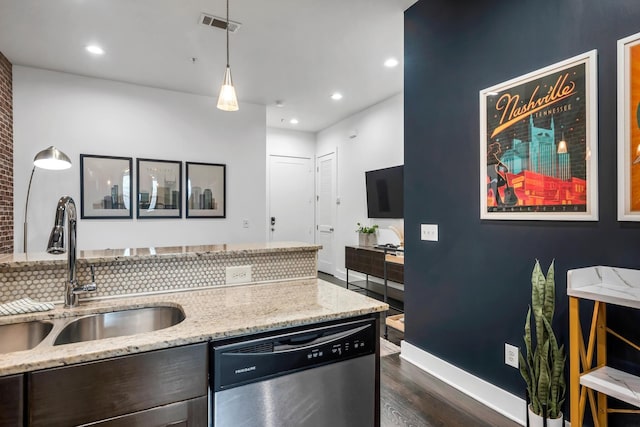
52,159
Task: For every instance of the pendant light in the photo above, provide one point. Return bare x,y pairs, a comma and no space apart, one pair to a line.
227,101
562,146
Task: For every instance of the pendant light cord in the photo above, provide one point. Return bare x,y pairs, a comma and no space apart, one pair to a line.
227,33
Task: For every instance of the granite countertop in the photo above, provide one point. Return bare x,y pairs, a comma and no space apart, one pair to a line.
209,314
43,258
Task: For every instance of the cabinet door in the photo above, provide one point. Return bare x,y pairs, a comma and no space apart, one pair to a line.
11,401
190,413
88,392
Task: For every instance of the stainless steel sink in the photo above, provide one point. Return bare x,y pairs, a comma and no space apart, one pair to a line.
23,336
119,323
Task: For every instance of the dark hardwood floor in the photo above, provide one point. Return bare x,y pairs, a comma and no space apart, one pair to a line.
412,397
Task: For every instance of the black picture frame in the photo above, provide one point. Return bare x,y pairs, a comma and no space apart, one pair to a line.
206,194
159,189
105,187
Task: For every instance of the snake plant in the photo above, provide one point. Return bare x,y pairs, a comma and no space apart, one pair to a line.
542,367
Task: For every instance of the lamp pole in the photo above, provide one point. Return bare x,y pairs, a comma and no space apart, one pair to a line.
26,211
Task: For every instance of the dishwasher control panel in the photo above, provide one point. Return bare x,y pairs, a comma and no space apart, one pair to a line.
247,361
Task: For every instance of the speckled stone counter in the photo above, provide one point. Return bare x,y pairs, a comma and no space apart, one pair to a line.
209,314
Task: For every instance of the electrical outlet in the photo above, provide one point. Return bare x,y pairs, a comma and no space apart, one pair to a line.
511,355
429,232
238,274
245,223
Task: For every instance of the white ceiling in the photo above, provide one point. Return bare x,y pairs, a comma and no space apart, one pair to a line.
296,51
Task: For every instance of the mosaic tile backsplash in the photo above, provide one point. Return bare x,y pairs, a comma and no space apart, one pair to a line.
116,276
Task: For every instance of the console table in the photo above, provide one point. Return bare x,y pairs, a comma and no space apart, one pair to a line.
602,285
383,263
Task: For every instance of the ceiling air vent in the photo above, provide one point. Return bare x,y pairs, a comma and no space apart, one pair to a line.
217,22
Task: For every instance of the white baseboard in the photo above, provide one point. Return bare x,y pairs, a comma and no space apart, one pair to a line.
484,392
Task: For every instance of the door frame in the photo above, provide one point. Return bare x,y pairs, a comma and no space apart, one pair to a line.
334,204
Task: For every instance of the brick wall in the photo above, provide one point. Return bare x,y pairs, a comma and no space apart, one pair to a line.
6,156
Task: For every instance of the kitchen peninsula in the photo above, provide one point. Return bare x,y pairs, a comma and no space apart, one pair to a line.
281,293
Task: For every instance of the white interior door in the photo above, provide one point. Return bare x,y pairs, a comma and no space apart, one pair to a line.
291,199
326,211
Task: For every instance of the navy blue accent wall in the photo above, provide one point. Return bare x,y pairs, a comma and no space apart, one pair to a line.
467,294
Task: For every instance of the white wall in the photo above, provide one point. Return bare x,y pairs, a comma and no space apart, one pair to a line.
283,142
93,116
379,144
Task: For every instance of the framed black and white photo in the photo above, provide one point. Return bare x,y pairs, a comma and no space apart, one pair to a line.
105,187
159,186
206,190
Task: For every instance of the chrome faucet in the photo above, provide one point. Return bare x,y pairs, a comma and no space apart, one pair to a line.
56,246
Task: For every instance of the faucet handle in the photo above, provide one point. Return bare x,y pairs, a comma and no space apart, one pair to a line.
89,287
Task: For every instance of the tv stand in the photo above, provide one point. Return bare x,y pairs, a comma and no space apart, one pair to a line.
383,263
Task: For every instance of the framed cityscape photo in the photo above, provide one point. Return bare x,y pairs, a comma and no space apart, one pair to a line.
159,189
105,187
206,190
629,128
538,144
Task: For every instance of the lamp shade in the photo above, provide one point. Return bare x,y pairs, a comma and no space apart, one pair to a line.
228,101
51,158
562,147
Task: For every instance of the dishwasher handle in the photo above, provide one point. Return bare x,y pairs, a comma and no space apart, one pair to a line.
310,340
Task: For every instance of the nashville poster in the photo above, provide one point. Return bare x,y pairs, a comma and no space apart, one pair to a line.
538,149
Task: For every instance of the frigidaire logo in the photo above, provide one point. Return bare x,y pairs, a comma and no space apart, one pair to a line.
247,369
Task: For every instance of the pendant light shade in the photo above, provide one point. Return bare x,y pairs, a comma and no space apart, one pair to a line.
562,147
228,100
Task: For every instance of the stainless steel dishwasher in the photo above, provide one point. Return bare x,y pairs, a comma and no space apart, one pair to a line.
322,376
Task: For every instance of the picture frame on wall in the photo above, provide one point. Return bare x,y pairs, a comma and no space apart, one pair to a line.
629,128
538,144
159,189
206,190
105,187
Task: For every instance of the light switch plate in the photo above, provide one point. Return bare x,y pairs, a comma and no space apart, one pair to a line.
429,232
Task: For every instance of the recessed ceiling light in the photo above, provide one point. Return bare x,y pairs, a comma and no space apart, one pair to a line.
336,96
294,121
391,62
95,49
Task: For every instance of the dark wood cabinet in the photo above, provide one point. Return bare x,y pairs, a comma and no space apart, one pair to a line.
188,413
11,400
371,261
124,389
382,264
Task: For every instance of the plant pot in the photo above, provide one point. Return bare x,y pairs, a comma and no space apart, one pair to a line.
537,421
367,239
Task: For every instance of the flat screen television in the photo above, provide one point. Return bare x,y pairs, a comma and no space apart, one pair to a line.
385,194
